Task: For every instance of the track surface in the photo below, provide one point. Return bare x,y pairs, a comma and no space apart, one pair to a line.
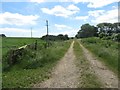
65,74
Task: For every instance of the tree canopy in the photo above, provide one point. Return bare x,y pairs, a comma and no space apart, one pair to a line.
2,35
87,31
54,38
103,30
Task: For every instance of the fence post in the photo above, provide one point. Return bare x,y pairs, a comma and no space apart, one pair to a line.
36,45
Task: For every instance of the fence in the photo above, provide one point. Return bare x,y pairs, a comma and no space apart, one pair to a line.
14,54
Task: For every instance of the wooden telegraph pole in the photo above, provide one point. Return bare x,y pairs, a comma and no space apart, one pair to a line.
47,34
47,26
31,32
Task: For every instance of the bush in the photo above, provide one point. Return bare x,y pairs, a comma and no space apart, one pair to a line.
117,37
108,37
101,35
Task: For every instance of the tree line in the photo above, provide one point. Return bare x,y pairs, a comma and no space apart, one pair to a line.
55,38
2,35
102,30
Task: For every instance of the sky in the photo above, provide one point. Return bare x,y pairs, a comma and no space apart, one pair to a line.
19,17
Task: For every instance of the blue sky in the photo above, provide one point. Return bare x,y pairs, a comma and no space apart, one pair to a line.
65,17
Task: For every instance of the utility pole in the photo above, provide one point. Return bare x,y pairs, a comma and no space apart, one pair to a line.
47,34
31,32
47,26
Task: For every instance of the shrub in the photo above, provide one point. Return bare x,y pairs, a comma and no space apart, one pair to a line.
117,37
101,35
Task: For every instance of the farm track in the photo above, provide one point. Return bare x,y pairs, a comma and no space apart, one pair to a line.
106,77
65,74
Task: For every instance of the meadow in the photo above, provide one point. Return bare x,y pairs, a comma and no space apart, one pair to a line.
106,50
14,42
35,65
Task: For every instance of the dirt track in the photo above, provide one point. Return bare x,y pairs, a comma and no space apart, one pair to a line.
65,74
107,77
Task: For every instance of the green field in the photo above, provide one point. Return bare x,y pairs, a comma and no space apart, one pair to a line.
105,50
35,65
11,43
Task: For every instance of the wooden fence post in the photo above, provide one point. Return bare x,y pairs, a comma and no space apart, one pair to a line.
36,45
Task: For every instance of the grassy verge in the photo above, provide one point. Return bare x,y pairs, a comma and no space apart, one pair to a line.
105,50
87,78
35,66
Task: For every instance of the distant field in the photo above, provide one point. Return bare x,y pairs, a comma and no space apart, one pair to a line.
105,50
11,42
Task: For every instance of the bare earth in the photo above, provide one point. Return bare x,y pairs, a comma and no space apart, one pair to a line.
107,77
65,74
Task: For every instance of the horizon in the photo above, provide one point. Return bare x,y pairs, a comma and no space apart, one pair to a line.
17,18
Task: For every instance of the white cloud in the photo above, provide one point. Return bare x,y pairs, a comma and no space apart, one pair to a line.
96,13
105,16
14,30
91,3
18,32
60,26
64,29
17,19
73,8
100,3
82,18
94,3
61,11
37,1
70,33
14,0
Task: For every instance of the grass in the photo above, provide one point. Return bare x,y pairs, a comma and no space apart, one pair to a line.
105,50
11,42
0,63
34,66
87,78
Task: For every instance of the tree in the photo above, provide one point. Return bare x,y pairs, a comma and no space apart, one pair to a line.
2,35
100,27
103,30
54,38
87,31
61,36
66,37
116,27
101,35
108,28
